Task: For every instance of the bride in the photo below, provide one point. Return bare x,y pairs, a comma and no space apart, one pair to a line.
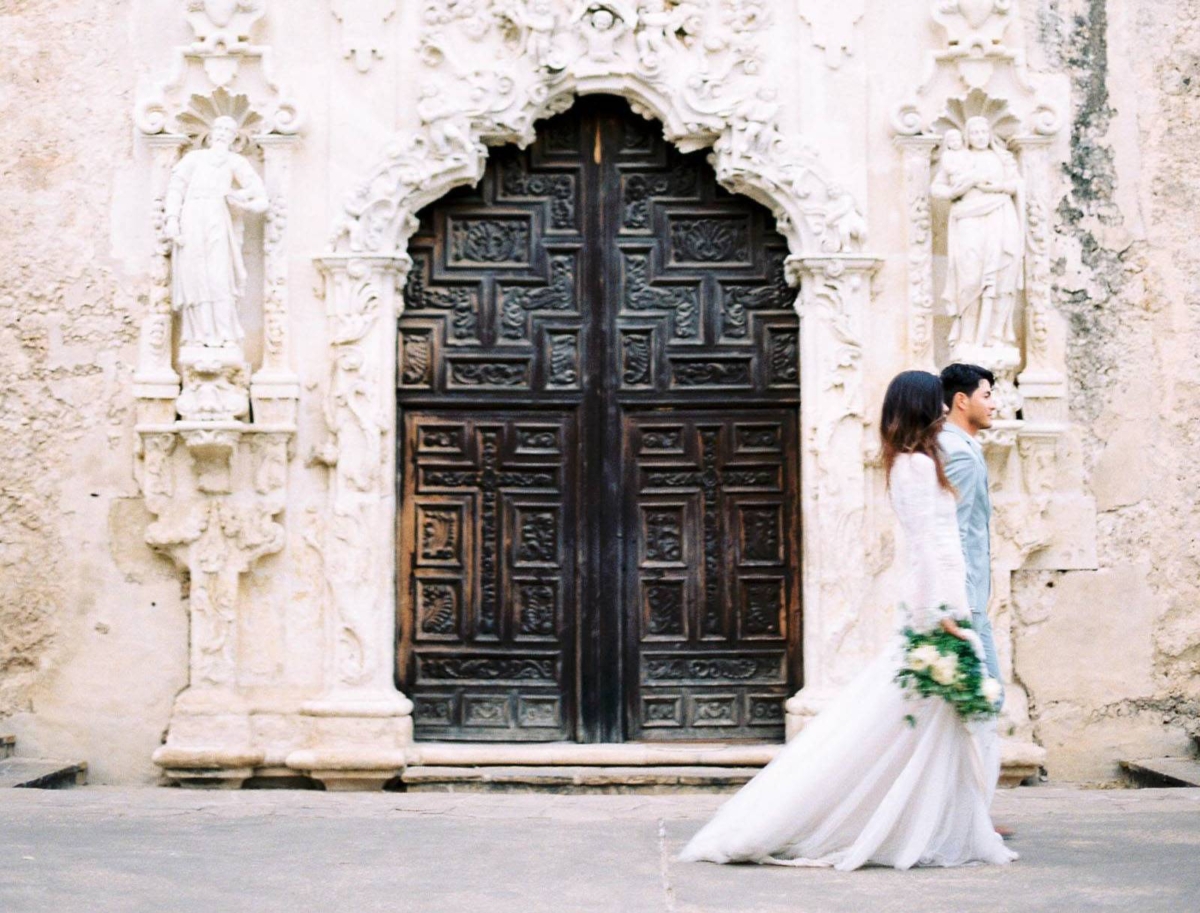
862,784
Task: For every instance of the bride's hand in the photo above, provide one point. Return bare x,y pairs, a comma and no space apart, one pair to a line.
950,626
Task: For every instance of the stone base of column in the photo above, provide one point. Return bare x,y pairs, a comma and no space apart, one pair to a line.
352,740
1020,761
209,742
802,706
357,739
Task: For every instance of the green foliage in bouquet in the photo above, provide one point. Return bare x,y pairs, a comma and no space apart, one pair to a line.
938,664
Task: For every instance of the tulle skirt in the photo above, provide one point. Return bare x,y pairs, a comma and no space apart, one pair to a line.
861,785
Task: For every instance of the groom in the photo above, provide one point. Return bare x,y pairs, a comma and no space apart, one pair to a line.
968,392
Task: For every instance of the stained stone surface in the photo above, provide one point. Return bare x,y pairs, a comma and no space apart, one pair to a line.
104,850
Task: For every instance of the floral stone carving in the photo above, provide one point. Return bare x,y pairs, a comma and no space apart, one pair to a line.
695,65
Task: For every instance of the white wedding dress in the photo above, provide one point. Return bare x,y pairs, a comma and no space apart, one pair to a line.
860,785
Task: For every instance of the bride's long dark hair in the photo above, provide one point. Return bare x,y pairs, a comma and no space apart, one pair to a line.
913,414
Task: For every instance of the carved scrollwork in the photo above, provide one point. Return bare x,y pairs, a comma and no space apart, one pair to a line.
640,295
710,373
559,295
489,668
710,240
638,189
664,536
732,669
832,26
635,359
763,608
216,540
459,302
696,66
438,608
536,609
559,189
665,609
490,373
537,540
564,359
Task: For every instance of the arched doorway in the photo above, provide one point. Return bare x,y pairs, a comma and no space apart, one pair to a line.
598,471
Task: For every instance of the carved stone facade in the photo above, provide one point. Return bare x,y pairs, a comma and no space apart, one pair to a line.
897,148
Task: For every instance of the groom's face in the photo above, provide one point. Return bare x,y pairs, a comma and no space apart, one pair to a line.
980,407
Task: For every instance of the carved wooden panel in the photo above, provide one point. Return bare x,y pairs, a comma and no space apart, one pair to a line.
711,532
487,569
493,303
598,379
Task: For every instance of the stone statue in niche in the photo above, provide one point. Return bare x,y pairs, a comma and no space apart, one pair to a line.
208,192
985,237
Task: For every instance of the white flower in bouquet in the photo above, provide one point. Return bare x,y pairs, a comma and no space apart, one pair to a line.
923,657
991,689
945,669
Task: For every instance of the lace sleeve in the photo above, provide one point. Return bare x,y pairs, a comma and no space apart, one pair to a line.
914,495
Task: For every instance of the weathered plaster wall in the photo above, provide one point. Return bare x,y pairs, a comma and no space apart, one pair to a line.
93,634
93,628
1112,657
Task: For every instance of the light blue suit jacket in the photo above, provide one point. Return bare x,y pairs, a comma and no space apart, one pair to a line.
967,471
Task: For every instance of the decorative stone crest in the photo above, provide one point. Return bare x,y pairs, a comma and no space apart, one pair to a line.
362,23
694,64
223,25
974,24
833,26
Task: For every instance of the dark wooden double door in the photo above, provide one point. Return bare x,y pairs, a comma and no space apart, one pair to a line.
598,391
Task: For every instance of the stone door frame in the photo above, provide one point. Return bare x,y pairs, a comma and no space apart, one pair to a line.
366,271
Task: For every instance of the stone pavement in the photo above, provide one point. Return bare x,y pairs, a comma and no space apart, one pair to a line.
114,850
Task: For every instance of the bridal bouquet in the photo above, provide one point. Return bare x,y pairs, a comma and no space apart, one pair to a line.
938,664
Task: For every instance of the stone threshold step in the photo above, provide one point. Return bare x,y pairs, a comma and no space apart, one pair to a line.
575,754
1164,771
41,773
575,779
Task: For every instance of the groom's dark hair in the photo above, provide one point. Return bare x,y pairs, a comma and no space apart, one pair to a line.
960,378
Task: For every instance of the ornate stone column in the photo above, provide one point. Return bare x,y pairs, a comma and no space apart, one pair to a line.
274,387
1043,381
838,639
361,721
155,382
917,152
